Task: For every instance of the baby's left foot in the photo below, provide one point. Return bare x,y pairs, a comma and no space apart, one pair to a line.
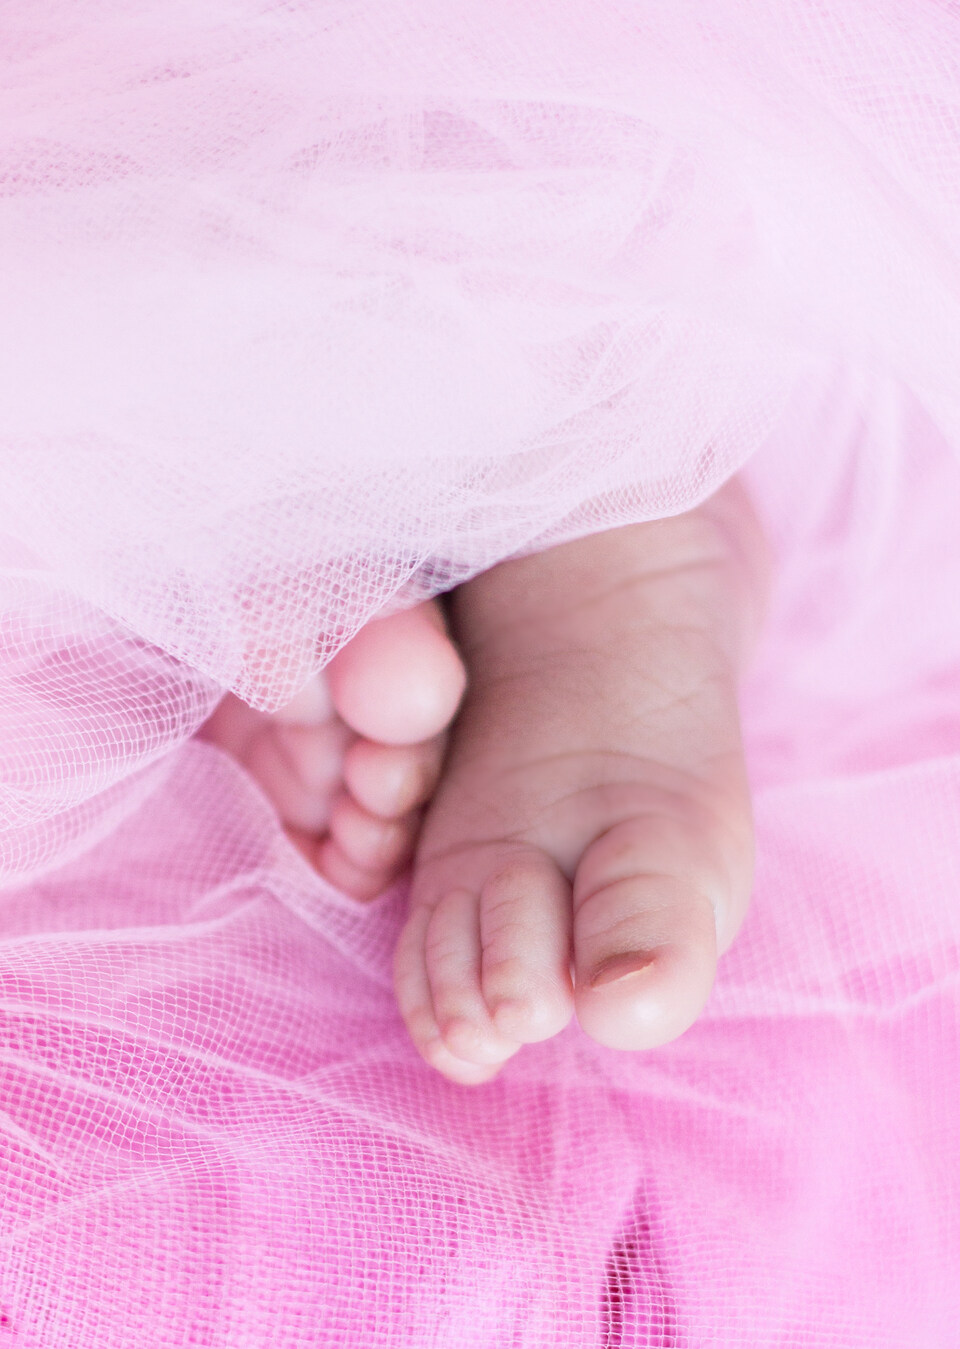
593,810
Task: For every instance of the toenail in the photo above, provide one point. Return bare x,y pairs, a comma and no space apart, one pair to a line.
509,1013
463,1038
460,1071
434,1051
463,1032
525,1022
614,968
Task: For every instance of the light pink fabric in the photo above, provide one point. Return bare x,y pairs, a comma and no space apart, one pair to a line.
309,308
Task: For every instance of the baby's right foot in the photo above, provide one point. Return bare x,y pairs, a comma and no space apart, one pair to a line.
593,812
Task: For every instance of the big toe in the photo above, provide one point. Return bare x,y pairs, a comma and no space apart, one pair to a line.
654,904
400,680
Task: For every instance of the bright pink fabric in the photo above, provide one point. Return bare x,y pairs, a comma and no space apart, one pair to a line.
308,308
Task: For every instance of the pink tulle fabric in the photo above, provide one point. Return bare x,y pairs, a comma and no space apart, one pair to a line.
309,308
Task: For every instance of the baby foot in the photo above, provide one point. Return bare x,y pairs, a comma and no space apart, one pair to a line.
349,763
590,845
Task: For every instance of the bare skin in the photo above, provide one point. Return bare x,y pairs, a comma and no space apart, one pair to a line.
350,763
588,847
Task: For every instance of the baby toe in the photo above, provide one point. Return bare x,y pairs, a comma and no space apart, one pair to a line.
647,897
453,955
525,941
360,883
436,978
370,841
298,768
311,706
391,780
645,970
314,753
400,680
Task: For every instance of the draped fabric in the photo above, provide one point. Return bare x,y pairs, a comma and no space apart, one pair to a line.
311,308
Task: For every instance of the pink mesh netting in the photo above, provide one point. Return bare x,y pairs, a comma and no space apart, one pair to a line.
309,307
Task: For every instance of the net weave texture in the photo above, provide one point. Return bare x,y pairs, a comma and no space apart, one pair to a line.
308,309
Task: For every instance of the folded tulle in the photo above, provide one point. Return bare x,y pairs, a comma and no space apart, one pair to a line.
311,308
216,1131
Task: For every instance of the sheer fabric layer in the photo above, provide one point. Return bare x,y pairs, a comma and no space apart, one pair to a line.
307,310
